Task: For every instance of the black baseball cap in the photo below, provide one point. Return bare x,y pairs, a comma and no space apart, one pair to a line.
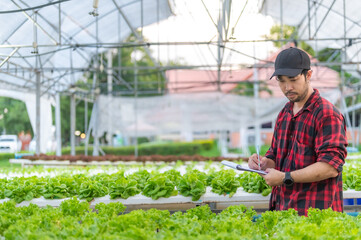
291,62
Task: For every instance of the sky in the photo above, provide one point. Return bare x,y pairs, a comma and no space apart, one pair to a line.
192,23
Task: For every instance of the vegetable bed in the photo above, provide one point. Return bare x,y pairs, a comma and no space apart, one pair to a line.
75,220
154,185
189,183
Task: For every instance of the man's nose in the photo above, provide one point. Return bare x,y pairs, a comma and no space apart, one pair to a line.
289,86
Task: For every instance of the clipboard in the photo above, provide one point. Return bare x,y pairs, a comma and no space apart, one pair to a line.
239,167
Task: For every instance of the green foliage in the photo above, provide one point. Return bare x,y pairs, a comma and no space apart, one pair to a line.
320,224
141,177
6,156
334,56
3,183
173,175
254,183
90,189
123,188
278,32
16,119
330,55
303,45
24,189
207,144
74,207
159,186
263,149
147,79
201,213
351,177
247,88
141,140
171,148
55,189
65,118
273,221
109,210
193,184
224,182
155,185
151,79
290,33
181,148
238,211
75,220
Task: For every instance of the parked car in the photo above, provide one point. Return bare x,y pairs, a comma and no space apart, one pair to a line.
10,143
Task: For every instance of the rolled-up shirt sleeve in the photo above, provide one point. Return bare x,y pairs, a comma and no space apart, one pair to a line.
331,141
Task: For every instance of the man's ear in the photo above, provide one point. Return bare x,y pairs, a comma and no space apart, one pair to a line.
308,75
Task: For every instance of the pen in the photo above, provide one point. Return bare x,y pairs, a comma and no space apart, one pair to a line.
259,161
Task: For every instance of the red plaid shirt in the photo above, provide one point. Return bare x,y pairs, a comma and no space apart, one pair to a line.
317,133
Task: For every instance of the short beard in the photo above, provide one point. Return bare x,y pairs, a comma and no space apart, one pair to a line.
302,96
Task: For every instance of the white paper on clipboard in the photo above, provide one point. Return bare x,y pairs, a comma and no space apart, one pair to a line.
239,167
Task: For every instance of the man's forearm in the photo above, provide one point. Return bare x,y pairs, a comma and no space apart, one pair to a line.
316,172
270,163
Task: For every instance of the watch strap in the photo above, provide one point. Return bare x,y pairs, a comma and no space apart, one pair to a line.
288,180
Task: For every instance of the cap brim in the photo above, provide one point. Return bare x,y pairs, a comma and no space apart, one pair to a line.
289,72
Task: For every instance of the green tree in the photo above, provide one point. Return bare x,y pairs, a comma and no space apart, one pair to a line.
150,81
276,33
65,117
123,83
288,33
330,55
14,116
247,88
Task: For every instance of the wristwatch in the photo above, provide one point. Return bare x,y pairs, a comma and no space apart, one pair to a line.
288,180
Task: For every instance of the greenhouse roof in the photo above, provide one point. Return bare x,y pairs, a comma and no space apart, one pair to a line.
322,24
60,38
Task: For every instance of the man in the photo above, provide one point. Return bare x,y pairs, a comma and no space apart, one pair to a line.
308,150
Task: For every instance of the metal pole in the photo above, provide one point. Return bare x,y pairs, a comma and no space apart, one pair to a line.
58,124
359,131
256,97
309,18
95,130
158,48
314,35
136,105
281,13
219,52
72,124
323,19
86,126
59,23
110,90
140,38
142,17
95,107
38,94
343,77
353,123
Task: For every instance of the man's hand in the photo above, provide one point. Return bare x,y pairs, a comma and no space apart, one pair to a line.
264,162
274,177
